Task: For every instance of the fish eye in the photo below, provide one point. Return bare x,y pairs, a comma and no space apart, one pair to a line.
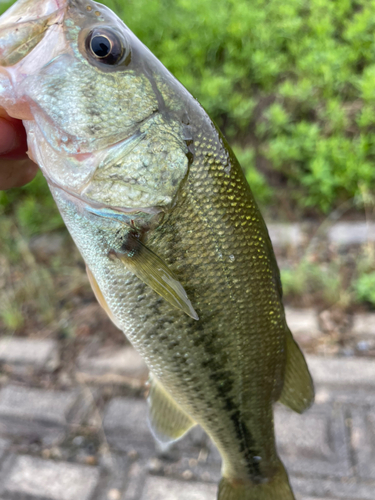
105,46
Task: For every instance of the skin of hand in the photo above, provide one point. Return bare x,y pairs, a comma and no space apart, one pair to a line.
16,169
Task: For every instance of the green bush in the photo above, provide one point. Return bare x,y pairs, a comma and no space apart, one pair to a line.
291,83
309,279
364,282
32,206
364,288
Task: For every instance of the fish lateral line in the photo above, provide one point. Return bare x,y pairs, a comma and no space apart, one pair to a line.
151,269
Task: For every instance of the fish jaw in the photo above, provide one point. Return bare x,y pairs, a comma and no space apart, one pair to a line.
22,29
30,10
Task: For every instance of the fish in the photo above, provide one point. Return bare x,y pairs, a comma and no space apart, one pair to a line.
176,249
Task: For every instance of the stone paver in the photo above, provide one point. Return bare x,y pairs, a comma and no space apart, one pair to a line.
36,354
345,488
342,371
300,497
340,395
352,233
136,480
125,361
314,443
4,445
36,478
362,440
329,451
364,325
125,423
115,466
303,323
25,411
285,235
159,488
126,414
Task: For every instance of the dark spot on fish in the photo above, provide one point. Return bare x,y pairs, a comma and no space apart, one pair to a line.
92,129
139,288
178,358
155,306
185,118
223,384
206,363
190,154
247,444
130,244
173,344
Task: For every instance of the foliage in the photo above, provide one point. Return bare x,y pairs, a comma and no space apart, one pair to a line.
291,82
364,284
365,288
33,207
314,279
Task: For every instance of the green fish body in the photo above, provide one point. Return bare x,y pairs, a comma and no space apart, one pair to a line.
176,249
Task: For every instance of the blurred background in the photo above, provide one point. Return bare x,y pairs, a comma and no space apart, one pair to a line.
291,83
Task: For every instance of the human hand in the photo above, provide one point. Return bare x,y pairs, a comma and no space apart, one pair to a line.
16,169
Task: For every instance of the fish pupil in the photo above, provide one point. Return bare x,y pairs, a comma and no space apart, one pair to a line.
105,47
101,46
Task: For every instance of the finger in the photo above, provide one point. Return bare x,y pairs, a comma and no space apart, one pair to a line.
16,173
13,142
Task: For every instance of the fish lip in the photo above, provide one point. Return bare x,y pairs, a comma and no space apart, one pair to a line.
22,13
97,205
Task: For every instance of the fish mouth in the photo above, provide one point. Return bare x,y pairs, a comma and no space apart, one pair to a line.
24,25
30,10
24,11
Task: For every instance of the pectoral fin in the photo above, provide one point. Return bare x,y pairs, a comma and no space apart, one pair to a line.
298,390
168,422
149,268
99,297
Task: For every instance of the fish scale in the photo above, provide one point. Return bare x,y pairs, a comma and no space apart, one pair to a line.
176,249
237,268
234,292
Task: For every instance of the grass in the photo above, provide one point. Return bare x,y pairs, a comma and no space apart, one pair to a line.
35,292
364,283
292,85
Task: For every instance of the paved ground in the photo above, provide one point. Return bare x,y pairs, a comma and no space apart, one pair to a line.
73,421
84,436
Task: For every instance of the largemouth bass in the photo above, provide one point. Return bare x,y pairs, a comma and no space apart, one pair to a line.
176,249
